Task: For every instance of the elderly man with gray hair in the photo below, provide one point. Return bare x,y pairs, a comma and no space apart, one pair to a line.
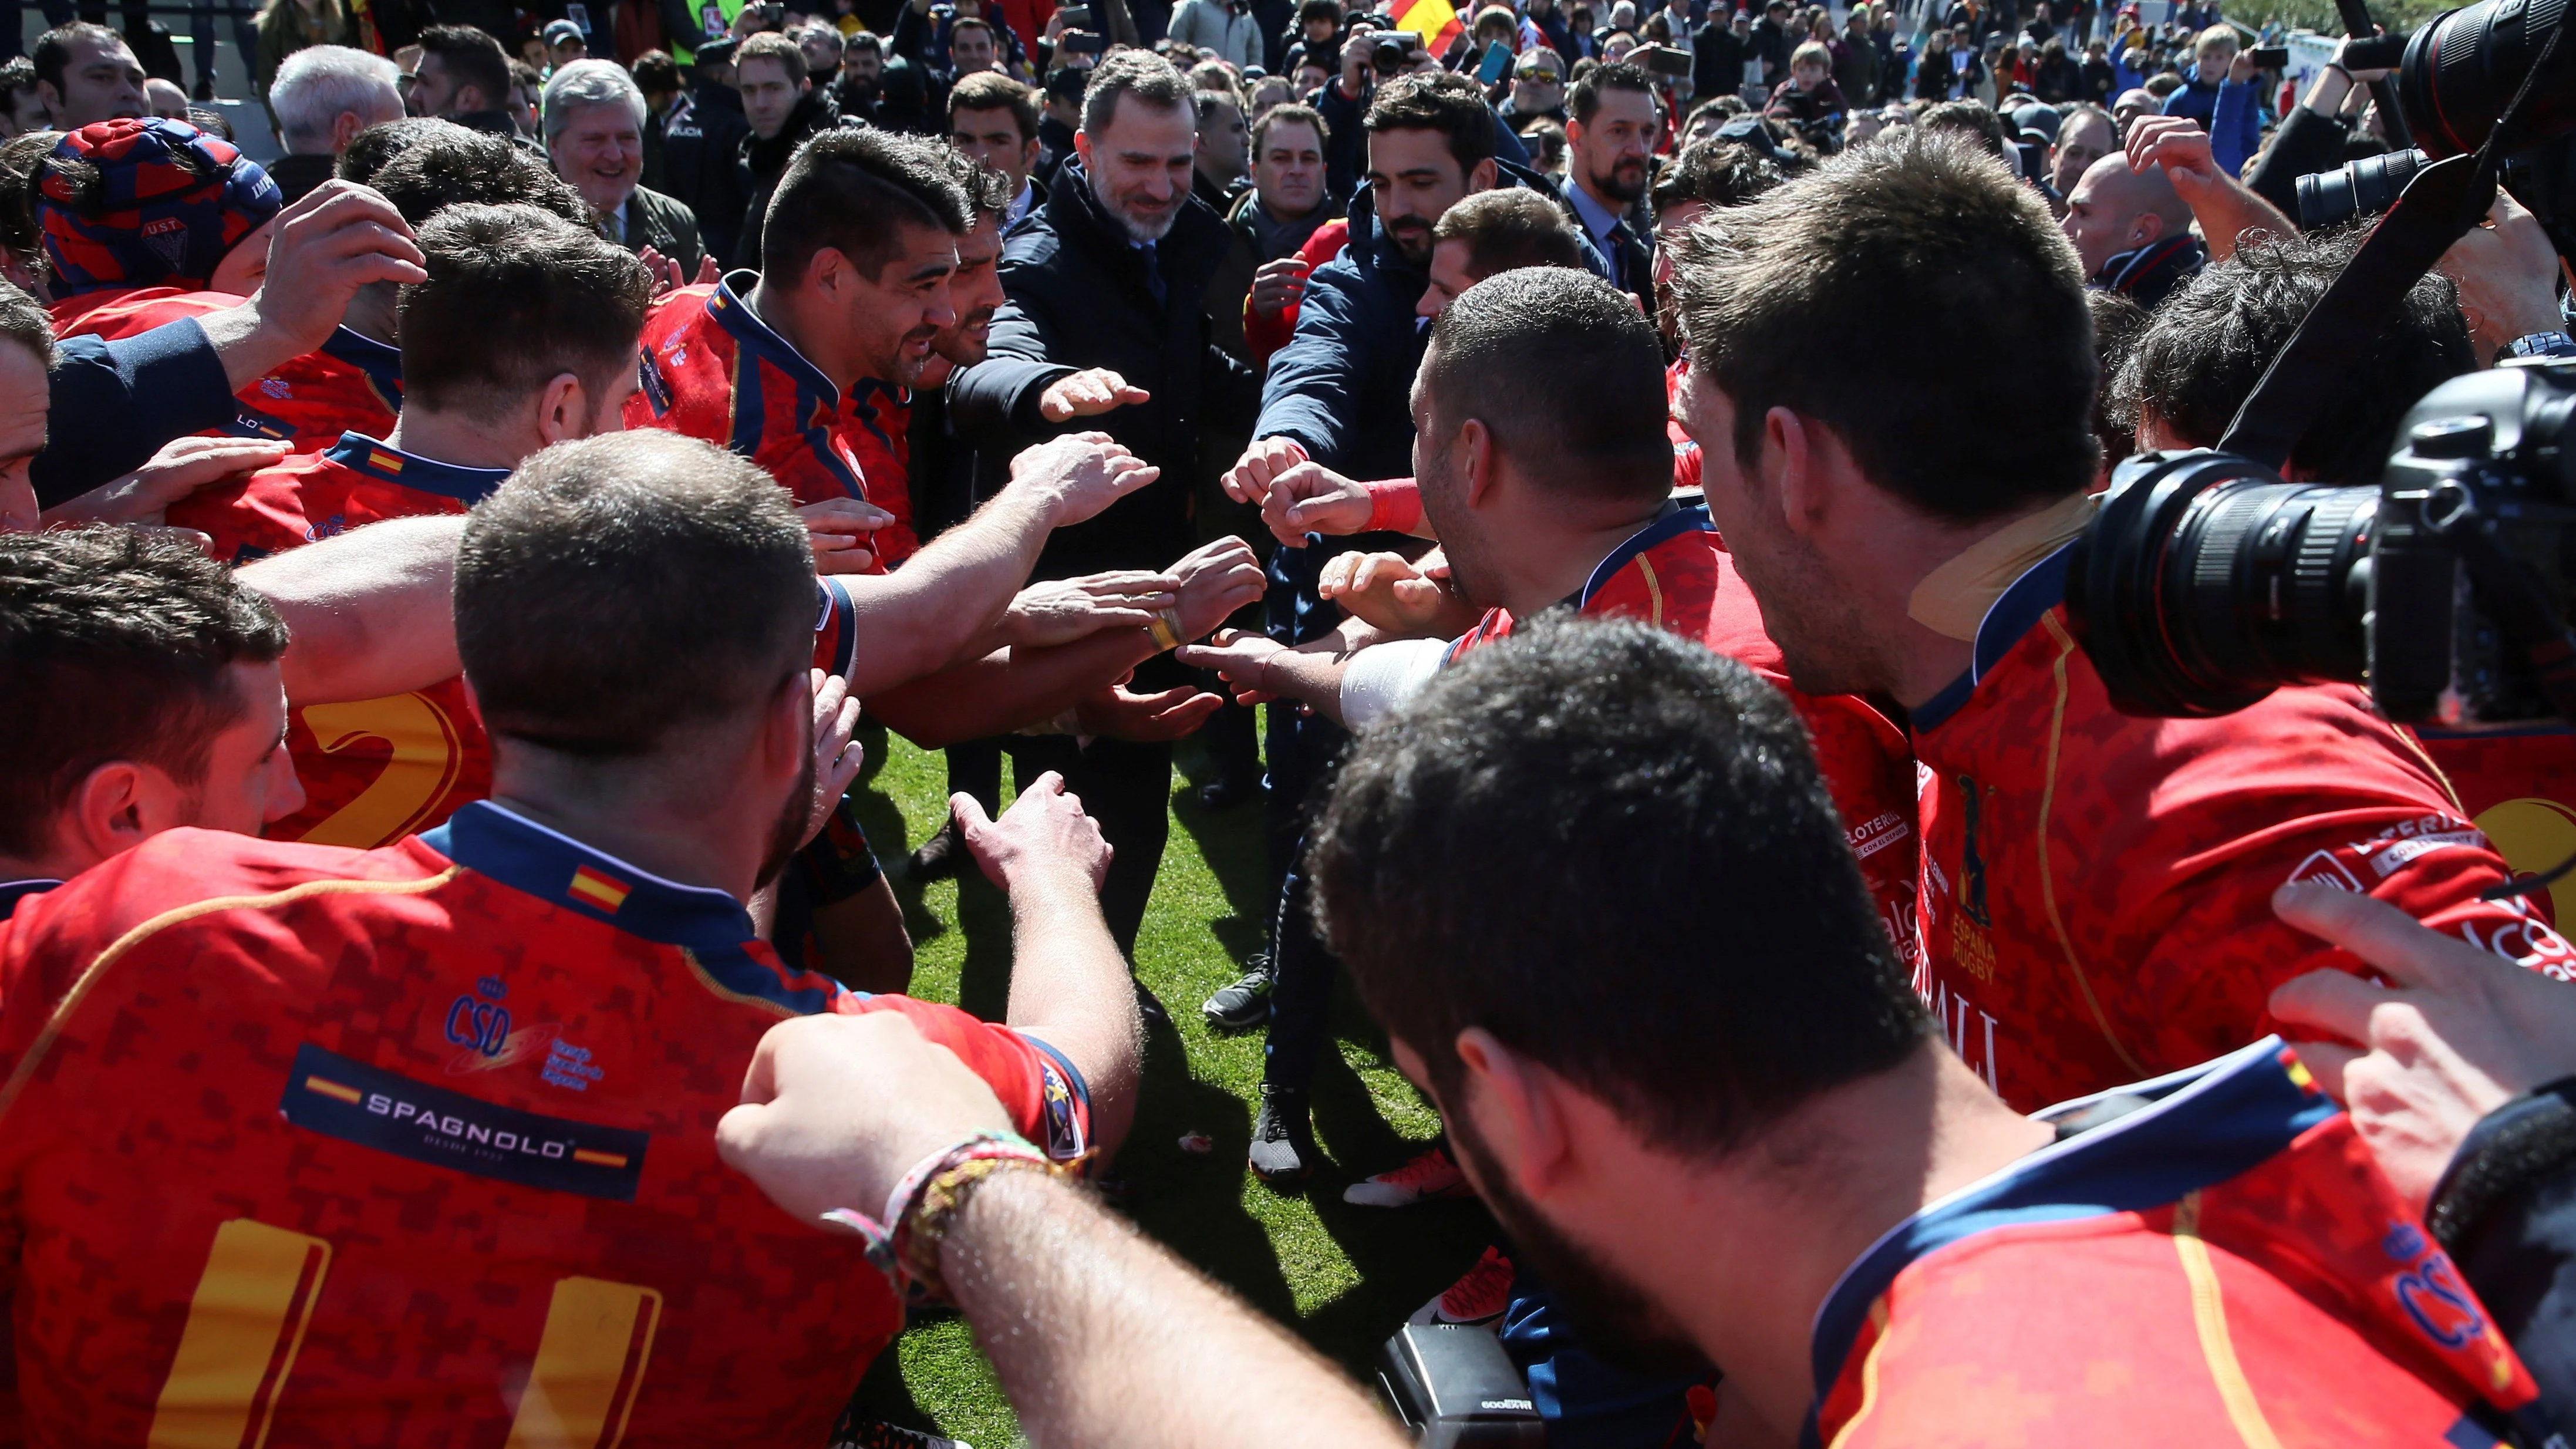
594,122
322,96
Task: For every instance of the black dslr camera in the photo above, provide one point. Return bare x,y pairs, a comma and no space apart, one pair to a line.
2207,581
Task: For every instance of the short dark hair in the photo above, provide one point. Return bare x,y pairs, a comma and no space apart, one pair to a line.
1529,771
864,42
473,58
1508,228
22,160
656,73
1318,10
1584,101
452,166
372,148
1441,101
854,191
23,320
771,45
1151,79
2118,323
1292,113
113,646
525,79
977,22
988,192
621,588
1918,234
53,51
1204,101
2206,346
17,74
1715,173
515,296
1065,85
1968,118
993,91
1565,373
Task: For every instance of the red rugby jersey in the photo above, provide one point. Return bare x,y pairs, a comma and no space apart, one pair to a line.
2223,1265
352,384
713,370
882,442
2519,788
374,770
307,1146
2097,889
1675,575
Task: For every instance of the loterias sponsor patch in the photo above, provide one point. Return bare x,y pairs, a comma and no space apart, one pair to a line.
337,1097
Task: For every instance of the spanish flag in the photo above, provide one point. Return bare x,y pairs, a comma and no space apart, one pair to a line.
604,891
1436,21
384,462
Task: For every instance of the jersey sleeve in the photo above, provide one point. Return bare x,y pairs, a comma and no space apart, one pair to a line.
1868,767
2227,827
1049,1103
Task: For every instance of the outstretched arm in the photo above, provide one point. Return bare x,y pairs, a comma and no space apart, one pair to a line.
1014,688
919,619
1083,1318
367,613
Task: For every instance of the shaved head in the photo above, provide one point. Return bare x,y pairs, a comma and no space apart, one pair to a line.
2114,209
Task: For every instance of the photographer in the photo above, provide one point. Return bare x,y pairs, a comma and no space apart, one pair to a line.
1776,1166
2095,883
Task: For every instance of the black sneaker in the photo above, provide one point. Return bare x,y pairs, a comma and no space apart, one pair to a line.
1225,792
205,91
1245,1004
1283,1138
938,858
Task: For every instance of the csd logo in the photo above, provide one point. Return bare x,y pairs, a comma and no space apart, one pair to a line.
480,1024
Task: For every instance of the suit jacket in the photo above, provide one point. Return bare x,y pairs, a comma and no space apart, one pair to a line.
657,221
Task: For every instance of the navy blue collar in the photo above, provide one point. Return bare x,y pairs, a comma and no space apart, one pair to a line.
381,362
735,316
1675,520
388,464
2206,1124
2015,613
14,891
561,871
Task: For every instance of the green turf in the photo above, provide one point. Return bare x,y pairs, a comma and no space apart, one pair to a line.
1342,1276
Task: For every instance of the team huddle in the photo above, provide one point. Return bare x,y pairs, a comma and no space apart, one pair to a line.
429,758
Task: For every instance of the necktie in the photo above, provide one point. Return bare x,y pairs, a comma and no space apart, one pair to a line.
1154,274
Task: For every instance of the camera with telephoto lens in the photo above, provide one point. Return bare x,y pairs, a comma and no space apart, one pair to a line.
2207,580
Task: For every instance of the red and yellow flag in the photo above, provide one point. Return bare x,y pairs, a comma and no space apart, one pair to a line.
1436,21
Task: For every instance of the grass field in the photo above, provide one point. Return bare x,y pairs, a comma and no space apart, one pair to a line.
1342,1276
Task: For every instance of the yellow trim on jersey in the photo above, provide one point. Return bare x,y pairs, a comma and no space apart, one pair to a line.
1868,1373
179,915
774,1008
2048,877
1654,591
2209,1318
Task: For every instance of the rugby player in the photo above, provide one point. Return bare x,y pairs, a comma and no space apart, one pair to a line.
861,246
2096,887
424,1145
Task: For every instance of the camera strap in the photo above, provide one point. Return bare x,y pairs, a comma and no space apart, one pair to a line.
2437,208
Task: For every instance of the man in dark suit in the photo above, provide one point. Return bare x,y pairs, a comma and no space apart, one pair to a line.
1105,285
